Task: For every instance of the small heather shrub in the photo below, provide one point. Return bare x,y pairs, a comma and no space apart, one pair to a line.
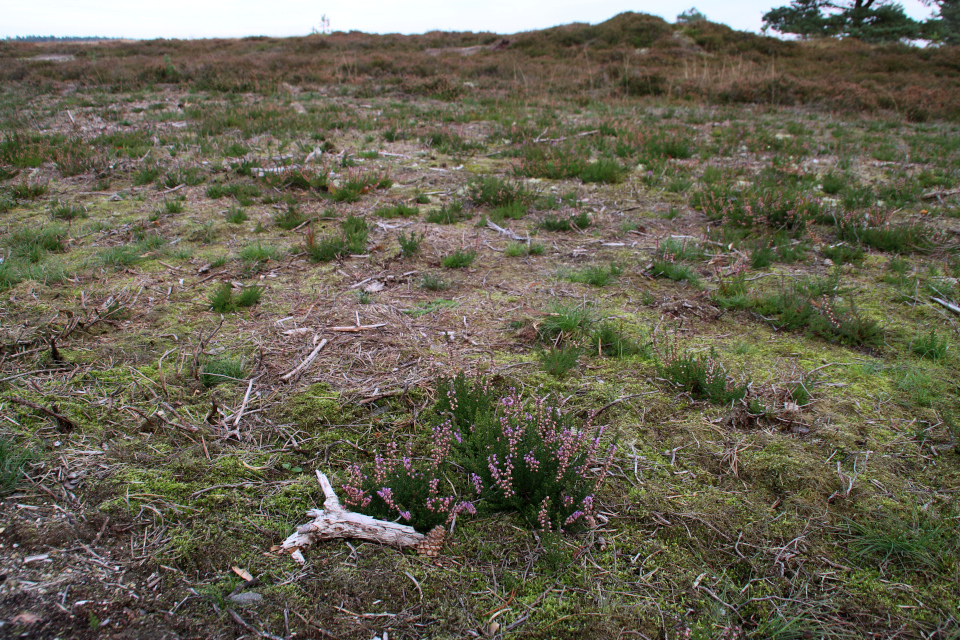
409,245
702,376
494,192
579,221
356,231
524,456
222,299
450,213
433,282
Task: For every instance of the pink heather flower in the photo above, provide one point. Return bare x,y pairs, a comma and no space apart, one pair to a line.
477,483
543,516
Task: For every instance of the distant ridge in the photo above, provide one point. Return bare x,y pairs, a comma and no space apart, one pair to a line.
59,38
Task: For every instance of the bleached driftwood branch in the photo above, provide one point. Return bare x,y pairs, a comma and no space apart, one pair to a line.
333,521
505,232
306,363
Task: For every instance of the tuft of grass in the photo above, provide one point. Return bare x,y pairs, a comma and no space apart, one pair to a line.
117,257
458,259
565,322
674,271
13,459
434,282
190,176
495,192
146,176
222,370
409,245
915,543
578,221
33,245
355,231
68,212
558,361
222,299
930,346
450,213
904,238
324,248
520,249
595,275
513,211
256,255
603,171
396,211
289,219
611,342
236,215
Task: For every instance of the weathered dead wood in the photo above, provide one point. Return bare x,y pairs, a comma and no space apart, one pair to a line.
296,371
333,522
63,422
357,329
506,232
939,194
948,305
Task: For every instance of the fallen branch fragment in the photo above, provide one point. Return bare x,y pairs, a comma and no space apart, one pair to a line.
333,522
948,305
940,194
62,421
357,329
296,371
505,232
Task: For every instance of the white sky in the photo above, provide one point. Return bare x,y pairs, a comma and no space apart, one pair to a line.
237,18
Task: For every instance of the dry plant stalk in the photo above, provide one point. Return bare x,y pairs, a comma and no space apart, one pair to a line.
333,522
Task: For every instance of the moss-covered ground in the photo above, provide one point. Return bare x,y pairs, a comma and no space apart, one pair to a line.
822,505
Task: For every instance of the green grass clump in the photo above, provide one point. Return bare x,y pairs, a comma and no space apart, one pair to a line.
409,245
118,257
558,361
222,370
930,346
236,215
68,212
434,282
550,163
396,211
9,275
190,176
13,459
256,255
450,213
596,276
352,187
513,211
603,171
565,322
325,248
355,231
458,259
520,249
146,176
33,245
904,238
674,271
611,342
493,192
289,219
222,299
578,221
916,543
702,376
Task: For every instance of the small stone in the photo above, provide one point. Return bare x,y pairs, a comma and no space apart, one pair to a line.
246,598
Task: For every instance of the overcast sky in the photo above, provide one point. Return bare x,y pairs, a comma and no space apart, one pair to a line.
237,18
